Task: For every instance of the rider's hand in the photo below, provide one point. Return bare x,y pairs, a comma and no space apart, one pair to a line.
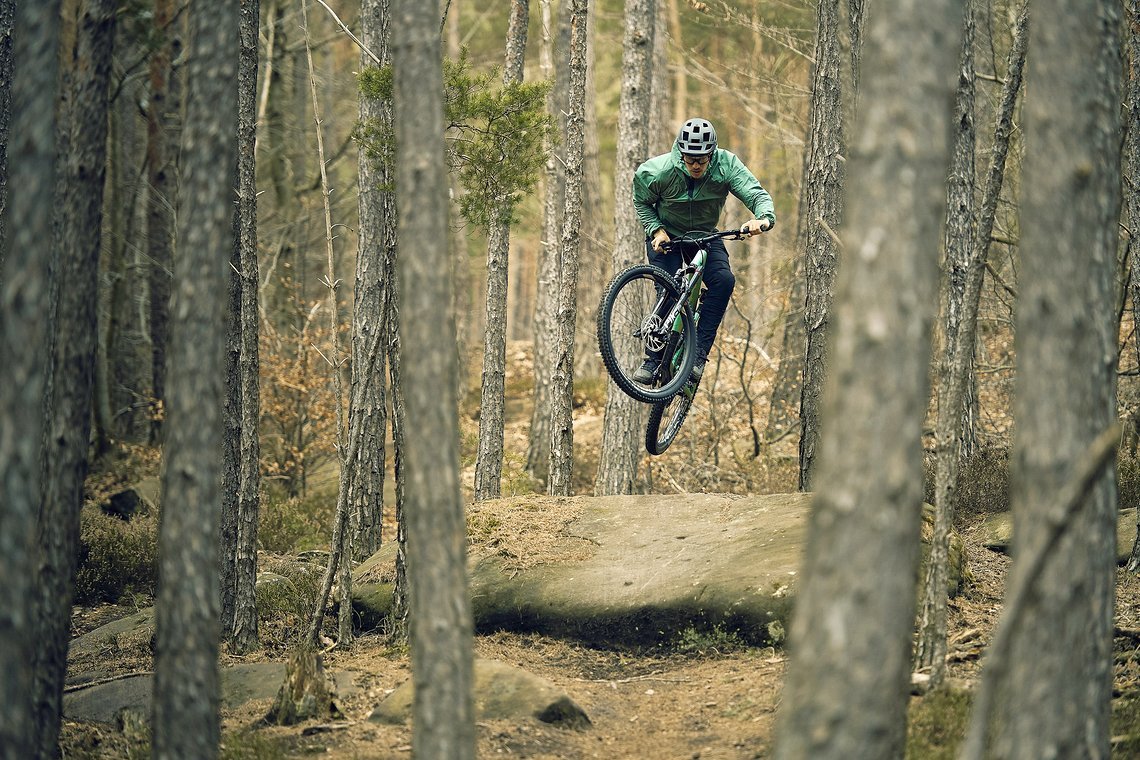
756,226
659,237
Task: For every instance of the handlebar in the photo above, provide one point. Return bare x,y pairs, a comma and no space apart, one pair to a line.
686,240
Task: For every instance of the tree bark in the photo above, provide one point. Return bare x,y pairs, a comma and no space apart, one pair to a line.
7,16
186,696
69,410
625,417
440,612
959,234
545,324
593,257
377,210
1131,189
489,459
965,267
561,411
855,608
1060,656
819,220
243,636
161,203
24,306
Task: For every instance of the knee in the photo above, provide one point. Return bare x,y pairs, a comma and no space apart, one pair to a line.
723,281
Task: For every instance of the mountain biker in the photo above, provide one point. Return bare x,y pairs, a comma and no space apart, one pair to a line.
684,191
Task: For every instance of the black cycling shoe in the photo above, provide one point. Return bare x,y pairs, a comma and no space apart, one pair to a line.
697,371
647,372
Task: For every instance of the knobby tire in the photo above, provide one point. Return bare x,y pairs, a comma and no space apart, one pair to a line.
665,420
621,368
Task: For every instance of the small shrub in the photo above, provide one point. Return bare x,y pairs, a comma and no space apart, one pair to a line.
285,603
707,641
1128,480
983,483
116,557
936,725
291,523
1126,726
249,745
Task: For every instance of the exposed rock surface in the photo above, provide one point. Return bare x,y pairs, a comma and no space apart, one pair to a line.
502,691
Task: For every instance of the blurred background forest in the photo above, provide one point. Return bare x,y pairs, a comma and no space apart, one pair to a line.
744,65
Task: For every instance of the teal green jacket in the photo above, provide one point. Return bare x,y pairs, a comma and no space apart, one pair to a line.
664,194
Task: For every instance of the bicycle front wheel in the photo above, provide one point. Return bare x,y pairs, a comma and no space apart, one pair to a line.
631,328
665,420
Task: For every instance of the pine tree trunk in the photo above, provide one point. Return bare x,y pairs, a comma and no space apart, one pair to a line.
965,266
24,308
855,606
1060,655
489,459
24,324
821,212
377,210
561,412
545,324
243,636
625,418
1131,168
186,689
69,421
594,259
957,239
7,16
160,206
440,614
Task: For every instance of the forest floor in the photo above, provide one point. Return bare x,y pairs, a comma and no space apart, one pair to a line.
706,696
711,697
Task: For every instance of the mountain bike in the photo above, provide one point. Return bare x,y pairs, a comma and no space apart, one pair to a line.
647,311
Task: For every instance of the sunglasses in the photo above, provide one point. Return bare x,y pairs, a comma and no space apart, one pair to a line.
696,160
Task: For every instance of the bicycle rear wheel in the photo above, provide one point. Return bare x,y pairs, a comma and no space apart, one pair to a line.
631,327
665,420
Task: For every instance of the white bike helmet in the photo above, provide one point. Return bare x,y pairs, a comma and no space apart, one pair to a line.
697,138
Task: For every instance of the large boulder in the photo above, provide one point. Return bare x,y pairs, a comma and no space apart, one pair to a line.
629,569
997,533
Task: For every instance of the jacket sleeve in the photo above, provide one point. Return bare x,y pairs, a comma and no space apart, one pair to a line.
645,197
747,188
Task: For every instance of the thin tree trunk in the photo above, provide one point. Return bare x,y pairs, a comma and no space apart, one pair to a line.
160,204
561,412
625,417
69,420
440,614
400,590
594,259
243,636
957,238
7,16
377,210
186,685
681,82
231,441
545,325
1131,189
820,217
340,562
965,268
1060,653
489,459
855,608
